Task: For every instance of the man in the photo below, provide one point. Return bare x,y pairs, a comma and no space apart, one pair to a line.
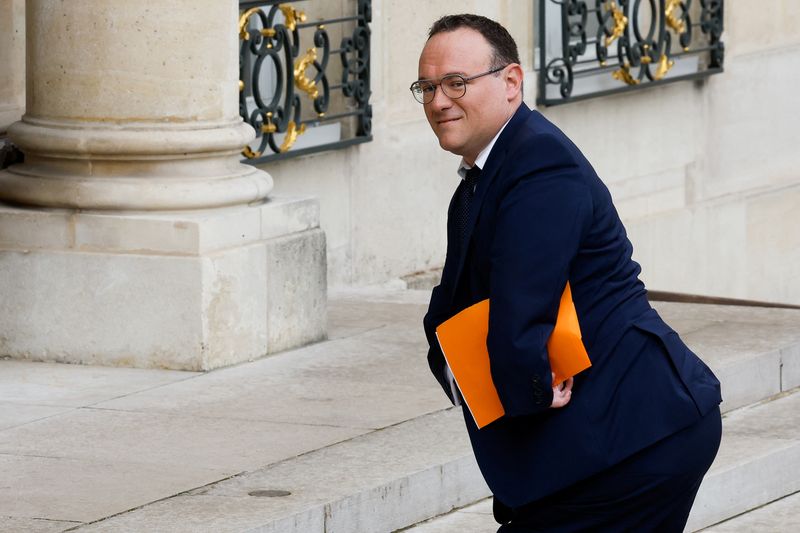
624,446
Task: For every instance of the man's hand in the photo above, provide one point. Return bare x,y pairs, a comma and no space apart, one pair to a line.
561,393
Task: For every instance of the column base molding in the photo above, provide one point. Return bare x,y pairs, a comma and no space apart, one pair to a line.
132,166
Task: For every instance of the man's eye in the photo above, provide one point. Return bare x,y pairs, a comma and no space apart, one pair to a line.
427,88
456,83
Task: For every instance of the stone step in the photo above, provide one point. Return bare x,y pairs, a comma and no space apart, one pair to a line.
382,481
757,463
781,516
395,477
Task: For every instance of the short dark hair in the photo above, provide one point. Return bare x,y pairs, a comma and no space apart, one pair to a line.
503,46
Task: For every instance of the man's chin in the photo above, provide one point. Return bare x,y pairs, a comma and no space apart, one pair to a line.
453,148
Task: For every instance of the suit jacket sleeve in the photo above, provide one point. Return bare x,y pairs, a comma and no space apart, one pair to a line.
541,221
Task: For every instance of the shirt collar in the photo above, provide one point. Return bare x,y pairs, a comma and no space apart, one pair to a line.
480,161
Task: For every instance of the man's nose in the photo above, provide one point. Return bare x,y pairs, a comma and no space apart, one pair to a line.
441,100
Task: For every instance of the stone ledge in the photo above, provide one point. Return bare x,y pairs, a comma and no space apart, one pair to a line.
171,233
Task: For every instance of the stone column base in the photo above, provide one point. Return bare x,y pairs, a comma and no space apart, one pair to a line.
191,290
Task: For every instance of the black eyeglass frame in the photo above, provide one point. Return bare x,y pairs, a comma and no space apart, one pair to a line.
422,94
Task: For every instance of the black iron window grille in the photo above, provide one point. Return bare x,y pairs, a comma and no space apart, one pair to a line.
291,90
594,48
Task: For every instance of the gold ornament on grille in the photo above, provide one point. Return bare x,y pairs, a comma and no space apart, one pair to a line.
620,23
292,16
301,81
292,132
664,64
624,74
245,19
673,21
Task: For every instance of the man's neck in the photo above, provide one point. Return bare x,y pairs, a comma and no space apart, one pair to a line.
483,154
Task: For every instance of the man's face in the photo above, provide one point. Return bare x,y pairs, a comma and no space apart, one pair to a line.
464,126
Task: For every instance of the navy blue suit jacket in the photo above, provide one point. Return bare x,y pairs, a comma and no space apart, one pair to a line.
541,216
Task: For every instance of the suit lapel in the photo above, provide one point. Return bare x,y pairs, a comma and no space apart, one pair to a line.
493,166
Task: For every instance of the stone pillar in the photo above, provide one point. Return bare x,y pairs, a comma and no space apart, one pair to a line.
132,235
12,62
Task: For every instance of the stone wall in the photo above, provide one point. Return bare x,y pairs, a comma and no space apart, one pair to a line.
703,173
12,62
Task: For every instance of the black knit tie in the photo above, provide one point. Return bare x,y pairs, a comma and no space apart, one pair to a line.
465,193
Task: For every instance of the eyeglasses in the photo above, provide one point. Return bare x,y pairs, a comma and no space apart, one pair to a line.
454,86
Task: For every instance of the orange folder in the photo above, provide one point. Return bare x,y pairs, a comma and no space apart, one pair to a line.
463,343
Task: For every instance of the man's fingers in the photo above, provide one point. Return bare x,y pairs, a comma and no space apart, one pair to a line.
561,396
562,393
561,400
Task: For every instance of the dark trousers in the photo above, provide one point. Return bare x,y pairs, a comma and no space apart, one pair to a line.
653,490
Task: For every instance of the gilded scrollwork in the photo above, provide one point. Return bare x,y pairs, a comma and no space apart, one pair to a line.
301,81
277,80
635,42
620,23
674,21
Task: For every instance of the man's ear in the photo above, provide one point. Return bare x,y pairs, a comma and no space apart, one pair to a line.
513,79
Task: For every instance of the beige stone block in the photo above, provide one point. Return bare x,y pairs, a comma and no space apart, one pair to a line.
773,245
120,310
31,229
174,233
635,134
751,131
654,202
189,290
296,287
698,250
234,306
190,312
286,215
647,184
403,229
325,176
752,26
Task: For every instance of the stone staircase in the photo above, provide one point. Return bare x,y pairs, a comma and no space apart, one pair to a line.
422,468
